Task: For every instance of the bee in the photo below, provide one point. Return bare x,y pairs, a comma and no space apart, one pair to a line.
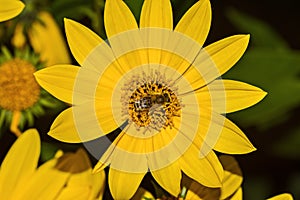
145,103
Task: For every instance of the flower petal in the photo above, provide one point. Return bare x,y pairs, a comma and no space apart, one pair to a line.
43,31
238,195
123,185
206,170
118,18
233,179
216,59
169,178
98,185
232,140
81,40
10,9
58,80
67,128
75,192
196,191
233,96
64,129
126,153
46,184
156,14
284,196
196,21
20,163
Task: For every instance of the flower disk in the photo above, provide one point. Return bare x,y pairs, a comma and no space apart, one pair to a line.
18,88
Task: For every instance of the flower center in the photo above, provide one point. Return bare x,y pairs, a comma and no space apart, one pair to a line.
150,102
18,87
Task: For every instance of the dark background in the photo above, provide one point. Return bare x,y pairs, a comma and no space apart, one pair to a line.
266,173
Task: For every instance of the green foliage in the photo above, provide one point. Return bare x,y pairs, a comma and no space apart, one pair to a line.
135,7
268,64
262,35
48,151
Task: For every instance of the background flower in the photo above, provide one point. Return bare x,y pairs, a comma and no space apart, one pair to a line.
59,178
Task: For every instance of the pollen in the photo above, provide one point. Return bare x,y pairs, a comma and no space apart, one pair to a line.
153,104
18,87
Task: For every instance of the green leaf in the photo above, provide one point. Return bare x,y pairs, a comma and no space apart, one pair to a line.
262,35
48,151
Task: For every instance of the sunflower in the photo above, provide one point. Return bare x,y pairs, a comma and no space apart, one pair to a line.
160,87
59,178
21,98
10,9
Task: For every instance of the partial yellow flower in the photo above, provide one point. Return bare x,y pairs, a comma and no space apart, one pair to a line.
10,9
58,178
142,194
231,183
284,196
45,37
160,87
21,98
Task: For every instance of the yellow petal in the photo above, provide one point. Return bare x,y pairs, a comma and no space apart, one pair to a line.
232,140
46,39
233,96
169,178
81,40
216,59
128,154
123,185
240,95
196,21
75,192
238,195
207,170
45,184
196,191
232,177
226,52
66,129
20,163
118,18
58,80
156,14
19,39
87,183
98,185
10,9
284,196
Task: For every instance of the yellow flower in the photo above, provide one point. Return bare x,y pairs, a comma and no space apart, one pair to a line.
231,183
284,196
45,37
61,178
21,98
10,9
160,87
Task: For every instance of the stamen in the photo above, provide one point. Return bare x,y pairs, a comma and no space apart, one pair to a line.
150,102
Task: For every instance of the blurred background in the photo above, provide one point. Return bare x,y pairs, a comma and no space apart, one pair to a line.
272,62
